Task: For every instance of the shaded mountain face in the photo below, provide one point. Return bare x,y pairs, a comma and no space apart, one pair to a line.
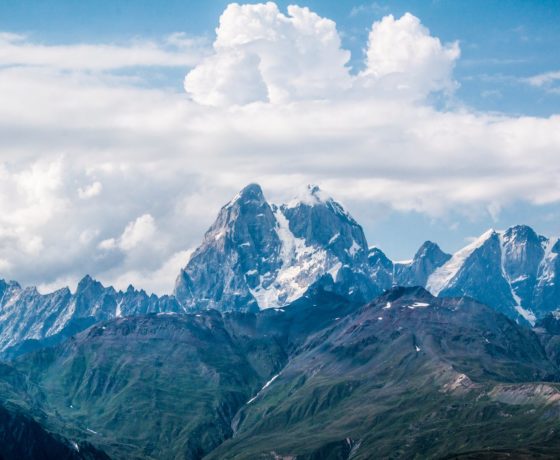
22,438
29,320
408,376
426,260
406,373
163,386
257,255
513,271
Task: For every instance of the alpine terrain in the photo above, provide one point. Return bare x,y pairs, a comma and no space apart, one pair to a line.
289,337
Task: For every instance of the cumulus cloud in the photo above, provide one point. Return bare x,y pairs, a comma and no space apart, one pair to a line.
290,113
137,232
404,54
261,54
161,279
90,191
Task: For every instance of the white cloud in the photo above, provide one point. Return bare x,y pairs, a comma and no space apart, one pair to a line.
90,191
139,231
162,158
544,78
548,81
403,53
373,8
260,54
174,51
160,280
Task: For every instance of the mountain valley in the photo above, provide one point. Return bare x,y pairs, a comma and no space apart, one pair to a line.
288,337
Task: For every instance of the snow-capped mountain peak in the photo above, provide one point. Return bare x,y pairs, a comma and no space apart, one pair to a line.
444,275
311,195
266,255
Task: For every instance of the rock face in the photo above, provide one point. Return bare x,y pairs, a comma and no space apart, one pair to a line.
257,255
514,271
28,318
426,260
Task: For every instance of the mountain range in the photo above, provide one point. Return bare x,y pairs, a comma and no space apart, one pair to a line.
268,255
408,375
289,337
259,255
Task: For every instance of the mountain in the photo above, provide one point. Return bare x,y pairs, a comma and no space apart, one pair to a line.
514,271
408,374
29,320
162,385
258,255
426,260
22,438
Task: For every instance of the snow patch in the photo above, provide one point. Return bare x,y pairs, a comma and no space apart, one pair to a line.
266,385
444,275
354,249
334,238
514,295
118,311
418,305
527,314
301,266
63,319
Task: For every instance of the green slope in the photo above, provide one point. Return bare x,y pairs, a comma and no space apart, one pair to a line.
408,376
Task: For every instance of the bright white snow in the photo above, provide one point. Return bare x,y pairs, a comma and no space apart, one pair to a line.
301,266
418,305
443,276
266,385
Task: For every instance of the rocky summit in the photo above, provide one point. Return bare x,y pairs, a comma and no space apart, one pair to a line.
289,337
260,255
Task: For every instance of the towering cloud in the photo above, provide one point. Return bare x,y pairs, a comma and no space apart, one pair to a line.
261,54
403,54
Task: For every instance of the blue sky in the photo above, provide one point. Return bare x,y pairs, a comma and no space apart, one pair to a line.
102,145
502,42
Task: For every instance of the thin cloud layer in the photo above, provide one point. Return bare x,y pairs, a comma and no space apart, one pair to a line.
103,174
176,50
